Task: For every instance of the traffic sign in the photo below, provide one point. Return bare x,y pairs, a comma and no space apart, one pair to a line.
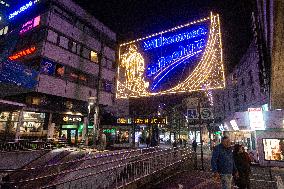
206,113
192,113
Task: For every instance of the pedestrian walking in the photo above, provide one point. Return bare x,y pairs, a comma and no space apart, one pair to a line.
194,145
242,162
222,163
148,141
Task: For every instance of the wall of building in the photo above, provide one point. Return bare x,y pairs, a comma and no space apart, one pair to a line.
243,88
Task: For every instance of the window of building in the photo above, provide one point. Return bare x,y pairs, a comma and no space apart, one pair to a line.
252,93
108,86
4,30
72,46
79,49
234,79
250,77
59,70
52,36
243,82
86,53
63,42
245,98
104,62
94,57
79,25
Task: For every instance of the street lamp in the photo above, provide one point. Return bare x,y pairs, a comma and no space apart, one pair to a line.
91,103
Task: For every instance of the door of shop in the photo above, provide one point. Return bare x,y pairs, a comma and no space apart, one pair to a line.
71,132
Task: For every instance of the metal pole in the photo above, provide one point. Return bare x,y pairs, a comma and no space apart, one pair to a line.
200,128
97,103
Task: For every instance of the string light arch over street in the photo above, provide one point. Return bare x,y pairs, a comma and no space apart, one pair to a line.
182,59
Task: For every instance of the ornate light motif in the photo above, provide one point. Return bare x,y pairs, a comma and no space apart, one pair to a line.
139,74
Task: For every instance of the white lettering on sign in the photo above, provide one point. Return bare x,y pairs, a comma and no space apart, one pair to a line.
72,119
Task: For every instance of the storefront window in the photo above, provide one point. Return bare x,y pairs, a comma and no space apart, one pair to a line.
274,149
122,136
32,122
4,117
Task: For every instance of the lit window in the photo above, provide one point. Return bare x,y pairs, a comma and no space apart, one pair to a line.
94,56
4,30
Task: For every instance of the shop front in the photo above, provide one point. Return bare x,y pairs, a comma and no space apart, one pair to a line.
118,136
32,125
69,128
270,141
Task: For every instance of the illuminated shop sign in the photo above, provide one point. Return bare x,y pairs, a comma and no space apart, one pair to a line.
30,24
68,118
256,119
124,120
150,121
23,8
182,59
22,53
112,131
145,121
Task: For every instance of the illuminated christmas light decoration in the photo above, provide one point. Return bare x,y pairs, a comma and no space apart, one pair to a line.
22,53
23,8
30,24
182,59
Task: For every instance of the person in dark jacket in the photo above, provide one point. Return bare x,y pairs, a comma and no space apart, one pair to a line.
222,163
194,145
242,162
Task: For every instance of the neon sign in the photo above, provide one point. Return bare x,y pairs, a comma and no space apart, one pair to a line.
30,24
22,53
182,59
162,41
23,8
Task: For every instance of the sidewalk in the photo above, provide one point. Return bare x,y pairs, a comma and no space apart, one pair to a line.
261,177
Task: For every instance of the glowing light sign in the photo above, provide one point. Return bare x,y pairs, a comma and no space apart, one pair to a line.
18,74
256,119
182,59
22,53
147,121
30,24
23,8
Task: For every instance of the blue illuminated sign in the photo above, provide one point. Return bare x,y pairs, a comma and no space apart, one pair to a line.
47,67
18,74
176,38
23,8
181,59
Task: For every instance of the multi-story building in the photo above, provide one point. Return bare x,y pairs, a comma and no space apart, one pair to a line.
69,57
250,105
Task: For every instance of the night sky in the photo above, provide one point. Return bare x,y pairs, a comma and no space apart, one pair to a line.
132,19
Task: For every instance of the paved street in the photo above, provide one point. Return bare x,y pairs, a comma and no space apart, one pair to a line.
197,179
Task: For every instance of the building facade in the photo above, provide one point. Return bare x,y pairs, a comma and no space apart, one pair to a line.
249,111
73,58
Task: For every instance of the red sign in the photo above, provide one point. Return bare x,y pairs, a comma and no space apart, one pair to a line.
22,53
254,109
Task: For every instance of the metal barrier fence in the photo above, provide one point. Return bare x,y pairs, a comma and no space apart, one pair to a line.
24,145
114,172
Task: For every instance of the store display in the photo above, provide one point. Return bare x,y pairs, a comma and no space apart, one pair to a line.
274,149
